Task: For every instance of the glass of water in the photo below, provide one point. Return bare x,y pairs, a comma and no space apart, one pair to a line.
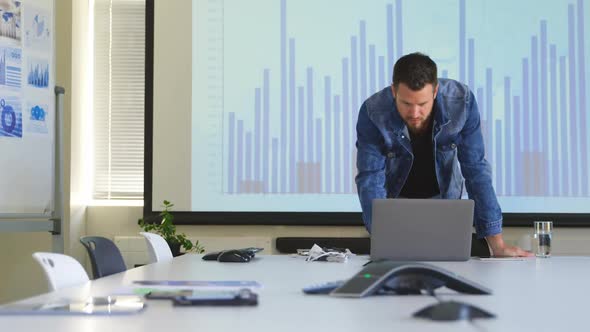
543,230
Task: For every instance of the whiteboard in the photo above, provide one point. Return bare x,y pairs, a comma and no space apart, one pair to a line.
27,107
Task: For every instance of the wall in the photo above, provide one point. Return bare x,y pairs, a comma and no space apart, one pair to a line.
78,168
20,276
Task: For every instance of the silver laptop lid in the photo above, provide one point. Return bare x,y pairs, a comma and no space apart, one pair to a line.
421,229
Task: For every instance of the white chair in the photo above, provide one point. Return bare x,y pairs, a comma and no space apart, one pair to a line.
158,248
61,270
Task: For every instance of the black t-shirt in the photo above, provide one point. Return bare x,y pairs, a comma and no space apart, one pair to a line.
421,182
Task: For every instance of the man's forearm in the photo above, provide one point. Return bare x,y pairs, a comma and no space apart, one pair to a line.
367,192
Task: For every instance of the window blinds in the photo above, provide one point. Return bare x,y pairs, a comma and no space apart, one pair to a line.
118,99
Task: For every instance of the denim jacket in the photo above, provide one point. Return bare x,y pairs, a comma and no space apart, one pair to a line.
385,156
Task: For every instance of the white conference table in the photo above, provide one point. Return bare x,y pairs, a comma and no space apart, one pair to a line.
530,295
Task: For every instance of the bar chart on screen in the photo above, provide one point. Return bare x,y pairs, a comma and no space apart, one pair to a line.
286,80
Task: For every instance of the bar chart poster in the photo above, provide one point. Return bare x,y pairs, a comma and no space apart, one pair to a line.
277,86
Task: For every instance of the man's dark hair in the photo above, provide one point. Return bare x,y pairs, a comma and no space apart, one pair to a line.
414,70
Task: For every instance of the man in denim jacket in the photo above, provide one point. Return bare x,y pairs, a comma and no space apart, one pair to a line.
419,138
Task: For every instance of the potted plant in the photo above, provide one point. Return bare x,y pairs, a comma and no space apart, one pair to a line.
166,229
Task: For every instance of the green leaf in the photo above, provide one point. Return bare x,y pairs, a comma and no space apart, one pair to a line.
163,225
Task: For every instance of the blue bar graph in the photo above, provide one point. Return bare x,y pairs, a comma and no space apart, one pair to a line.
533,119
38,75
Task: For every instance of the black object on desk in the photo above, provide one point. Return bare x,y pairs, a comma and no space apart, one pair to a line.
235,256
242,297
405,278
243,255
452,310
211,256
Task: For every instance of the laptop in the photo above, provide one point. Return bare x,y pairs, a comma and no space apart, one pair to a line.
422,229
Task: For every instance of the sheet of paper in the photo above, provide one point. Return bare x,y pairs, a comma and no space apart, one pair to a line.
502,259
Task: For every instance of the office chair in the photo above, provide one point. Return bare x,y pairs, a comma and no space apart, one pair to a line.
61,270
158,248
104,255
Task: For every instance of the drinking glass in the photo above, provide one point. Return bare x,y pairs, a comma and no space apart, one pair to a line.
542,238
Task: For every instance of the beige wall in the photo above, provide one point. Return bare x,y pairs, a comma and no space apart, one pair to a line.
81,105
20,276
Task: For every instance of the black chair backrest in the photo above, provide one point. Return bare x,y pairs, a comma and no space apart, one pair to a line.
105,256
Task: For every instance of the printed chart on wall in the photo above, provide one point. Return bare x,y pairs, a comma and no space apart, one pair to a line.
27,102
285,80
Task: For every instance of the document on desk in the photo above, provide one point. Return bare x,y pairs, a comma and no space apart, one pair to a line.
500,259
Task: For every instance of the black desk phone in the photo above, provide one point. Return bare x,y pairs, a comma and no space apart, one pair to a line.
405,278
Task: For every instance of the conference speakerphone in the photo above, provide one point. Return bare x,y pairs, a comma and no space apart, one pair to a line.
405,278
